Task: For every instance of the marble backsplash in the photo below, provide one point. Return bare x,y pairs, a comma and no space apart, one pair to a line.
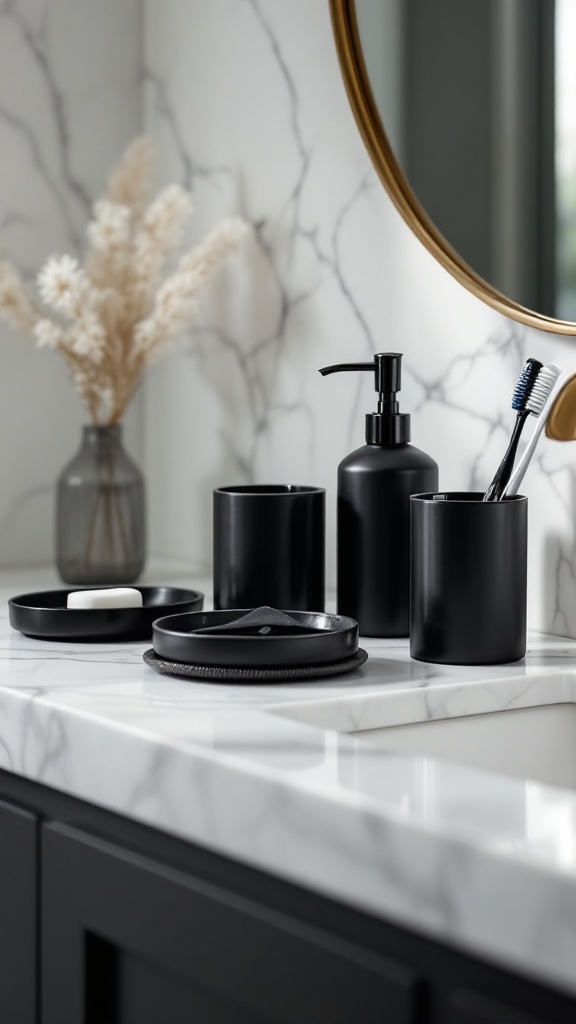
246,105
331,273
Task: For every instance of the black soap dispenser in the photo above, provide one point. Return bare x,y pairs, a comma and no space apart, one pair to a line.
374,487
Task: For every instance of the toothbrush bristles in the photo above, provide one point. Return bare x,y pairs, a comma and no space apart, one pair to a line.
525,383
545,381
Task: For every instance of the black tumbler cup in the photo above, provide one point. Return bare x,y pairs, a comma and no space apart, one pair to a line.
269,547
468,578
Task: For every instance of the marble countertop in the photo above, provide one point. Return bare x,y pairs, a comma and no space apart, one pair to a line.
481,861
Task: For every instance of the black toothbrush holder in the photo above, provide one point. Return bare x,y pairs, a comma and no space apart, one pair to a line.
468,578
269,547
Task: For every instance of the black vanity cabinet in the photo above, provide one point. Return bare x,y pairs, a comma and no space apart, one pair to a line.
18,914
154,944
105,921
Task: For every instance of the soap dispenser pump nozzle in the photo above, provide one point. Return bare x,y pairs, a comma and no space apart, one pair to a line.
387,425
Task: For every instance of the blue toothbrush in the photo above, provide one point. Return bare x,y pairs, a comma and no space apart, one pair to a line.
524,391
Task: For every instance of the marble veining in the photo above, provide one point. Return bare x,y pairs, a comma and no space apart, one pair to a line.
484,861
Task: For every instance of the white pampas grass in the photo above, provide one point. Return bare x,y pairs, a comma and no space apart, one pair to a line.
16,306
109,230
62,284
115,315
129,182
177,299
159,232
207,256
48,334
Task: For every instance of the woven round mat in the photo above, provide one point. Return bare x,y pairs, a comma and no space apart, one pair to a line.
255,675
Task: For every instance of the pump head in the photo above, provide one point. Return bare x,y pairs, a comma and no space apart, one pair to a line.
388,425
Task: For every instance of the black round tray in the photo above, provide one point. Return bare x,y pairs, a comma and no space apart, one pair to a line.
44,615
217,674
257,638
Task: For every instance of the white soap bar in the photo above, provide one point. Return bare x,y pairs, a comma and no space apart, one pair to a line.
113,597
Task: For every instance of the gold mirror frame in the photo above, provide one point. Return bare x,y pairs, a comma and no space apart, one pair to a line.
357,82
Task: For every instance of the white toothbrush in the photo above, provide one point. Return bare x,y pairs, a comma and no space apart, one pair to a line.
555,378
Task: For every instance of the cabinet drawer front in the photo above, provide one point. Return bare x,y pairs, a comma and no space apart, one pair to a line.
219,948
18,907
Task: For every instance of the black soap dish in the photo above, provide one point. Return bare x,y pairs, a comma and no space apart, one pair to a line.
258,645
44,615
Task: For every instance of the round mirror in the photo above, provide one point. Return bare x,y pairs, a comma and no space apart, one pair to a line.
468,110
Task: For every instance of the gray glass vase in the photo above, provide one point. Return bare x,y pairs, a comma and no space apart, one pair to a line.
100,513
